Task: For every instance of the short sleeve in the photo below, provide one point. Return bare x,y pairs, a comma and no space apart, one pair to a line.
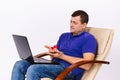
90,44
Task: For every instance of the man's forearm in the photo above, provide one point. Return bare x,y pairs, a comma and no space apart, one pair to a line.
72,60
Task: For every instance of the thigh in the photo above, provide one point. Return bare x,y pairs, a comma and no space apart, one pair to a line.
44,70
55,68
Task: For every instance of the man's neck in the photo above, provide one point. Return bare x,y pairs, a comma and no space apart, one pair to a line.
74,34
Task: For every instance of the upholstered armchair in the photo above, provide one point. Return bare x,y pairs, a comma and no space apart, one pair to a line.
104,38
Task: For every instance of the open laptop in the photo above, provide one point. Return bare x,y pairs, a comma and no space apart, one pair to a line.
24,50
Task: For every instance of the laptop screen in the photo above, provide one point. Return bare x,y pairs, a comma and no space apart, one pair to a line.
22,46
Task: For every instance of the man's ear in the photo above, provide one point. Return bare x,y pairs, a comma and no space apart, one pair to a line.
84,25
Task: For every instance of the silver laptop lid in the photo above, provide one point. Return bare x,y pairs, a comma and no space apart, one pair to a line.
22,46
24,50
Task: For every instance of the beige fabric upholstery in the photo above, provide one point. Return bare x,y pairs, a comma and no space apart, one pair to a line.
104,38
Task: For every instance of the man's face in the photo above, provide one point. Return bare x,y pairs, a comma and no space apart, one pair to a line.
76,26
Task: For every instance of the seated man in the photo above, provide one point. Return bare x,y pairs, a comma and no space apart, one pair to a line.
76,45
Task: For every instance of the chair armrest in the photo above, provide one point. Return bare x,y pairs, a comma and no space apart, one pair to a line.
76,65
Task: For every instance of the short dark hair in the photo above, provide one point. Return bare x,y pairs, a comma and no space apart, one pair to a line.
84,16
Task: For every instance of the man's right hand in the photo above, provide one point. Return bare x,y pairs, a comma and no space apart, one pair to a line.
53,51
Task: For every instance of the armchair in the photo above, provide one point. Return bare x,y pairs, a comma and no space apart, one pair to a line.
104,38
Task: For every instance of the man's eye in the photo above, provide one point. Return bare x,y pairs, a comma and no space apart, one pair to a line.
75,23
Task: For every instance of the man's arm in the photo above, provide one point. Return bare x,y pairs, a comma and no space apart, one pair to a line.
55,53
72,60
41,54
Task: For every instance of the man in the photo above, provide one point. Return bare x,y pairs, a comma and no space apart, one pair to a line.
76,45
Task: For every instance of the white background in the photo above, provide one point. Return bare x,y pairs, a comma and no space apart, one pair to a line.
42,21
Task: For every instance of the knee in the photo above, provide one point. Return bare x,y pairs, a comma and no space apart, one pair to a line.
31,69
21,64
34,72
35,69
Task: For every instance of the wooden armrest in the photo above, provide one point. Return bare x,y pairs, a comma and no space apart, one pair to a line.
76,65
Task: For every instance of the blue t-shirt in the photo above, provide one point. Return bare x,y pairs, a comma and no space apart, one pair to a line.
76,46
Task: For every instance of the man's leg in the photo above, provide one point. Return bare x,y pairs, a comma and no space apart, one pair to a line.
19,70
37,71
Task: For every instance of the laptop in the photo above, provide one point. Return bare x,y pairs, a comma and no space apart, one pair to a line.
24,50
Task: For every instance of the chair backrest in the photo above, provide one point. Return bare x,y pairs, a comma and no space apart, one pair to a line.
104,38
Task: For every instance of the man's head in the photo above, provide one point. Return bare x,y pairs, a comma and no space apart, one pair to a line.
79,20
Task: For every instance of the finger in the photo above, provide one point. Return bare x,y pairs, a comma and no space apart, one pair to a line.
56,50
48,47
